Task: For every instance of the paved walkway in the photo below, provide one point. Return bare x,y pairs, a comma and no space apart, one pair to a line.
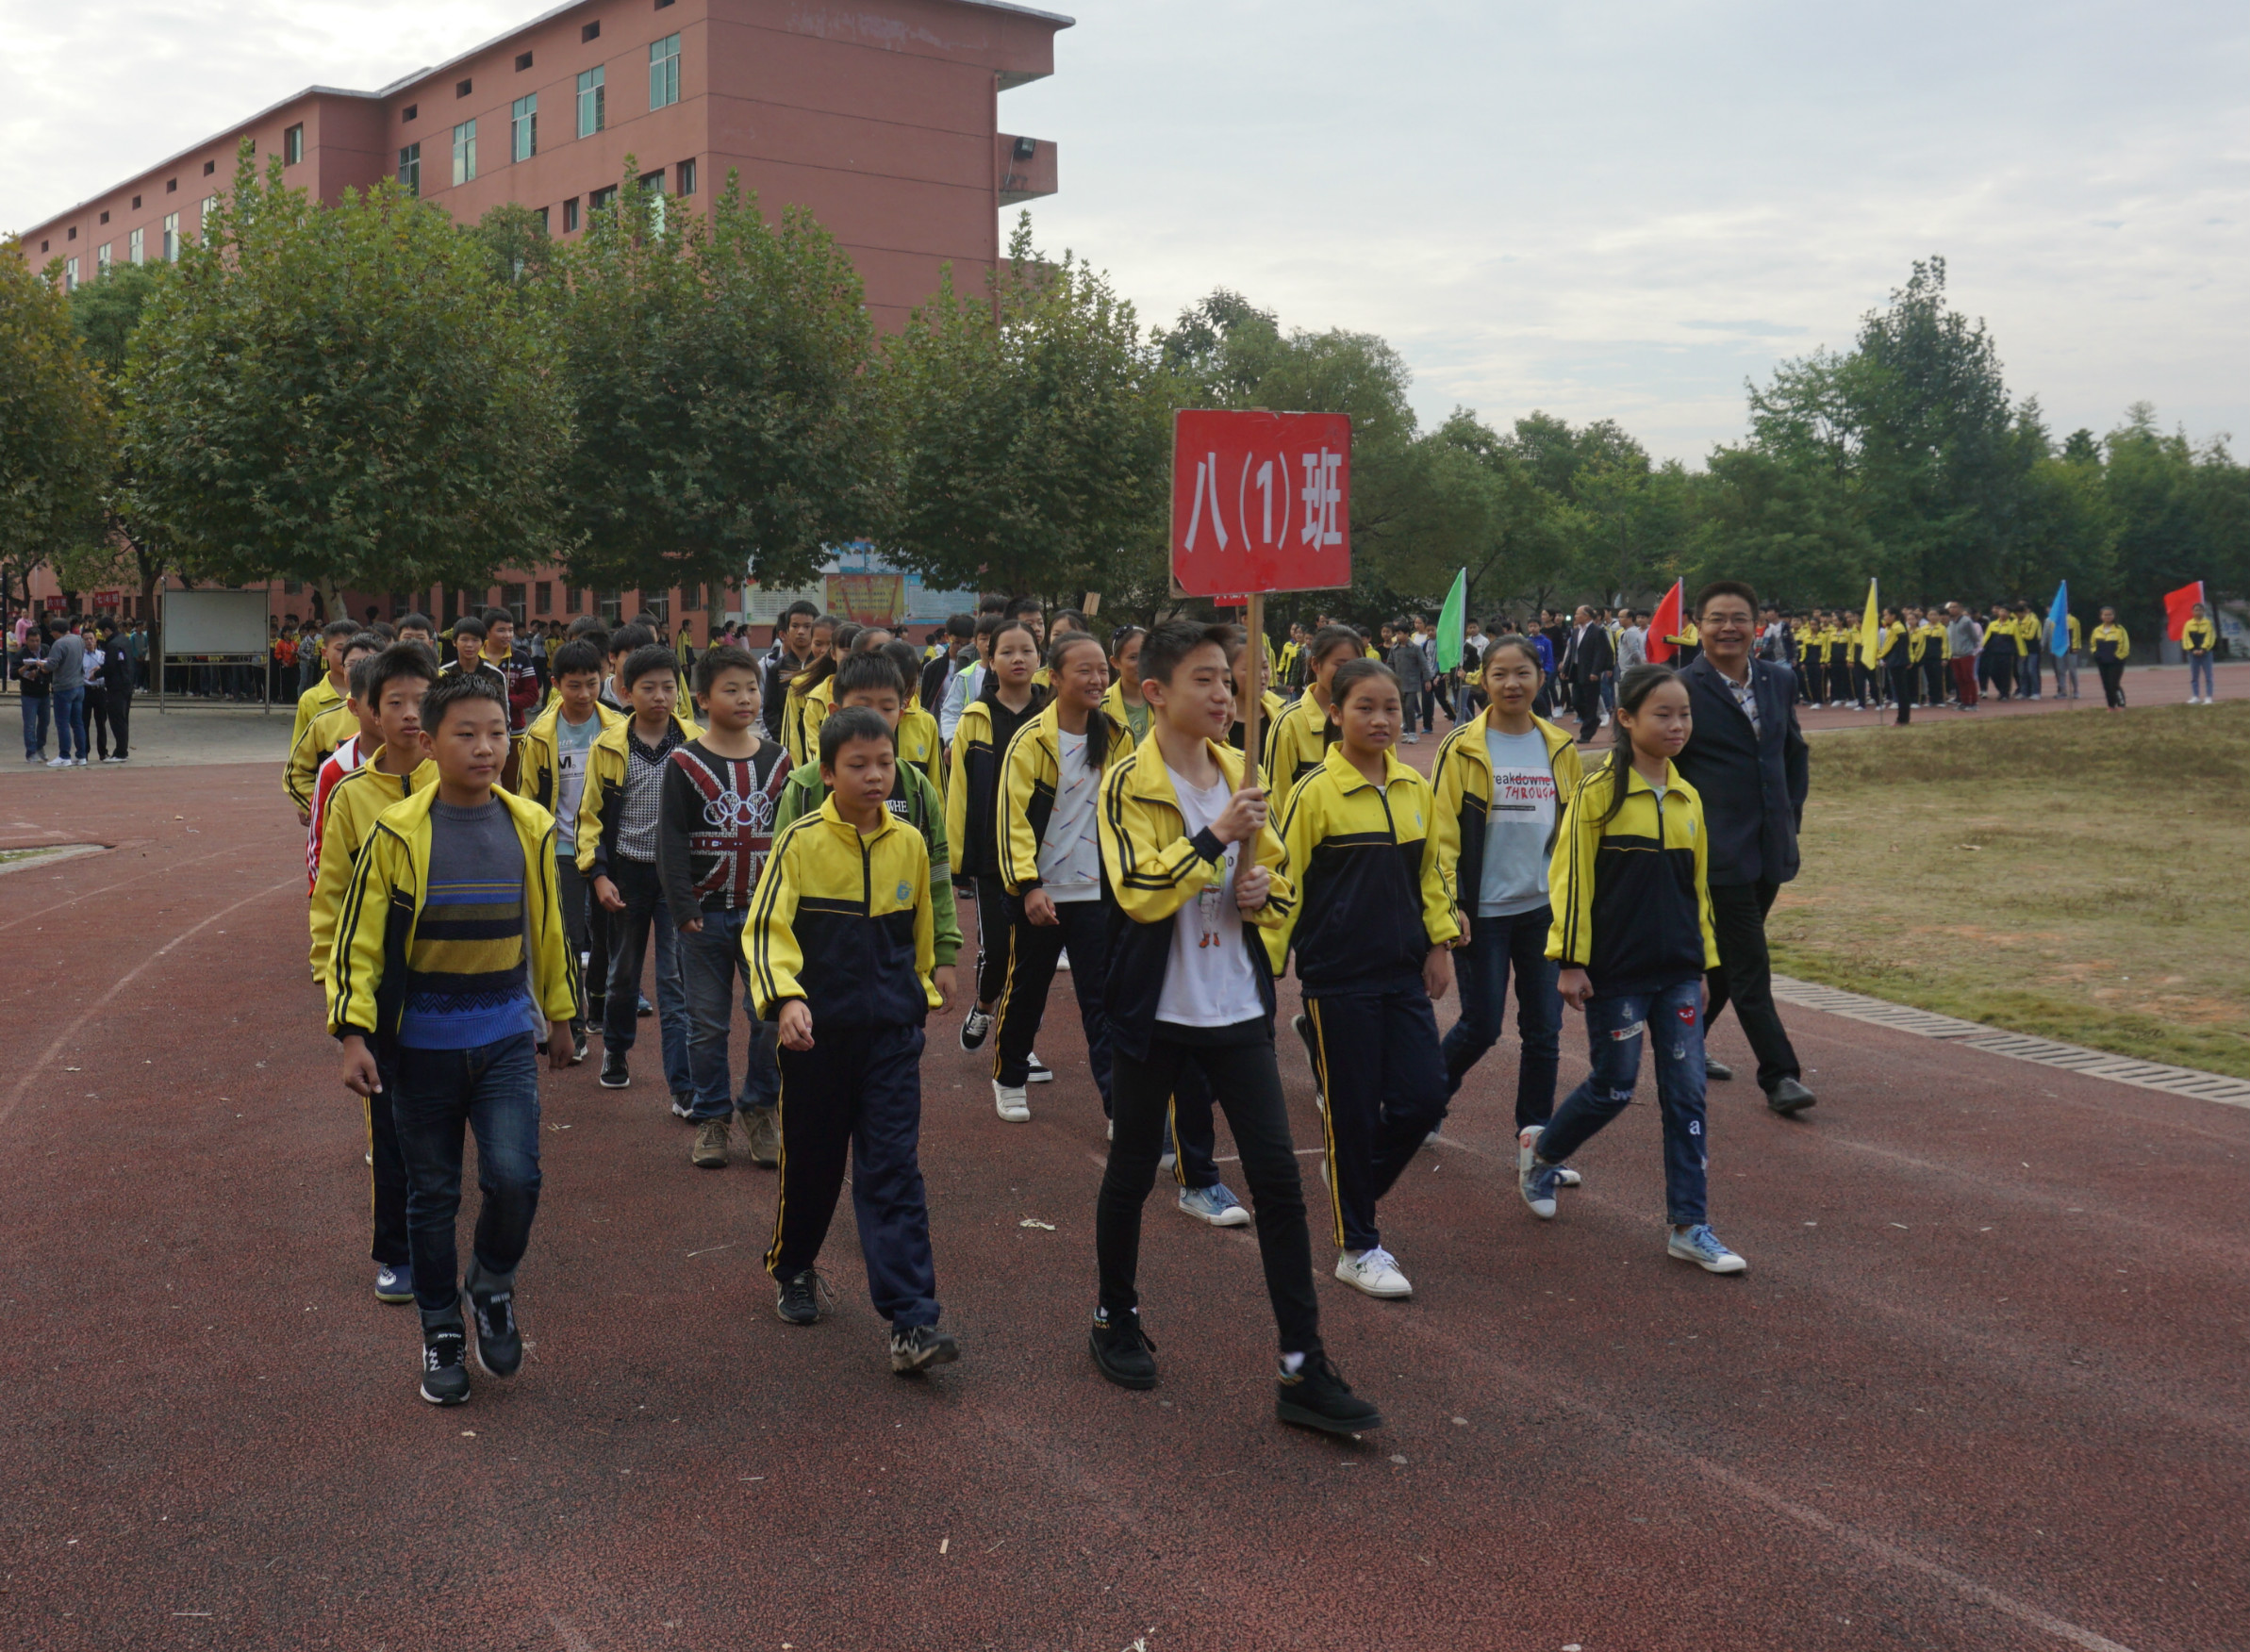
1982,1386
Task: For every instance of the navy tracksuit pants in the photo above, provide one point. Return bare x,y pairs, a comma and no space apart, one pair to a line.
387,1179
1034,950
1382,1076
858,1091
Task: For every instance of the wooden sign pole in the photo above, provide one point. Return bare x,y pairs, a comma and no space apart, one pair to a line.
1253,691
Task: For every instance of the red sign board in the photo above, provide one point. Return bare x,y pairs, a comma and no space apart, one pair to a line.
1261,502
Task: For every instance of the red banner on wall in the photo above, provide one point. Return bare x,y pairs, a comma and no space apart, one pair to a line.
1261,502
867,599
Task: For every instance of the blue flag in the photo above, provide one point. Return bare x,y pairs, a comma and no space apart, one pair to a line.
2059,621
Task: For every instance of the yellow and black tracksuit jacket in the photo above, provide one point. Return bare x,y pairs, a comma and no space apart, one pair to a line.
1460,781
1889,641
973,817
1271,708
323,696
1295,743
535,752
1113,706
1632,895
1029,774
918,744
1370,902
1154,868
354,803
2198,636
606,777
801,715
328,727
2111,643
843,921
916,802
374,934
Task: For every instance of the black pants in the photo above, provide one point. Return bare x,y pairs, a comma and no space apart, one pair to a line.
1250,1088
387,1179
1745,976
1933,677
1902,690
1383,1080
993,920
1585,698
857,1092
2112,673
576,898
97,719
1033,950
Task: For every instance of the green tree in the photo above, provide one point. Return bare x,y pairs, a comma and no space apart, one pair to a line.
56,436
1032,436
346,396
127,551
718,369
515,238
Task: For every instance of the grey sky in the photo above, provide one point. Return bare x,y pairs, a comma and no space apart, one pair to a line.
1616,209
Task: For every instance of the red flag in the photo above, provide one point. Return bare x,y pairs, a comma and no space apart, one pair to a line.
2178,608
1663,625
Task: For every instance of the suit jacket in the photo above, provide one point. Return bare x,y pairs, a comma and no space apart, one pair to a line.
1591,653
1753,782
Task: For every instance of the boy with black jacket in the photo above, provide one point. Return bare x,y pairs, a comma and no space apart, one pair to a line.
1187,981
714,826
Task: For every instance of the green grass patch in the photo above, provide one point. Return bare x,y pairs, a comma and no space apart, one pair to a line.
2078,875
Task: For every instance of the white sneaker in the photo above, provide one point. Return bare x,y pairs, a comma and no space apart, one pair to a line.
1376,1272
1038,1073
58,763
1007,1100
1062,959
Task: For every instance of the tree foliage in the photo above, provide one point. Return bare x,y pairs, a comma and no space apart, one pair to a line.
345,395
55,435
717,369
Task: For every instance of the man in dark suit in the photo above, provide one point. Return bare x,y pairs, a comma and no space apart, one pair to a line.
1747,760
1588,658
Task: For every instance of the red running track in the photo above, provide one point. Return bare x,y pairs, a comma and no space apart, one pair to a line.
1982,1388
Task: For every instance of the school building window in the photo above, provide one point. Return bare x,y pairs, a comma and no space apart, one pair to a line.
410,169
601,198
101,258
592,103
571,604
511,598
134,250
464,152
664,71
69,273
292,145
570,215
202,214
686,178
523,127
171,237
543,596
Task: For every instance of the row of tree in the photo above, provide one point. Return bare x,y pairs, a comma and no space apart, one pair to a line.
370,397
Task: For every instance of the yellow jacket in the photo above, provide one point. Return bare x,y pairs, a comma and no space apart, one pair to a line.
383,902
919,746
801,715
314,703
1029,774
605,773
1371,902
1460,781
354,805
1113,706
535,752
1295,743
2198,636
2111,643
843,921
1154,868
321,735
1632,895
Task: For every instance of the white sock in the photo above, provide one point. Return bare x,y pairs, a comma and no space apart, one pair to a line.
1293,1363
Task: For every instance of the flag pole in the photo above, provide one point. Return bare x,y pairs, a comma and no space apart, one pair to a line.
1251,693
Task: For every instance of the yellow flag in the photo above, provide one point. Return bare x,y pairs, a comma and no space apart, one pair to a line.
1871,632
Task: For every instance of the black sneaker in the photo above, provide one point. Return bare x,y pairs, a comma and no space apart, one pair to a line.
1304,1029
615,1074
1789,1096
974,1026
1718,1072
916,1348
578,1045
444,1379
499,1339
1122,1350
643,1008
799,1302
1315,1396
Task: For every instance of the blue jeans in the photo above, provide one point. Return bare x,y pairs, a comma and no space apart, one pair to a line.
1614,1028
2027,679
637,885
36,709
710,962
70,721
1495,945
2199,670
493,1090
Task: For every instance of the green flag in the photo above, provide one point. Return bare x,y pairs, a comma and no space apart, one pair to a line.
1449,623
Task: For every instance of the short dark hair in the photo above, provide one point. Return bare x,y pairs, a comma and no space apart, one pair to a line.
1072,615
1350,672
591,627
648,657
1174,641
370,676
993,603
1026,605
445,692
810,610
988,624
961,625
334,629
417,622
469,625
725,656
364,641
1724,588
576,657
500,616
1331,637
853,722
626,638
908,664
867,672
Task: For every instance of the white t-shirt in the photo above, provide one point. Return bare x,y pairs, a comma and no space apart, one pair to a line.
1518,826
1208,979
574,747
1071,854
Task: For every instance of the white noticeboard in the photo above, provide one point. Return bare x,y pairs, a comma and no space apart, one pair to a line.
215,623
